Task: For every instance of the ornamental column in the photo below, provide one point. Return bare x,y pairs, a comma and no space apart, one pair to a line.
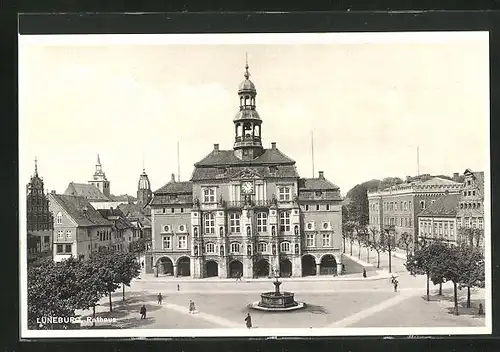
175,270
318,269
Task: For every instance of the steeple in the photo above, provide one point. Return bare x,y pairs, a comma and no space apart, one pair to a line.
144,192
247,122
99,179
36,168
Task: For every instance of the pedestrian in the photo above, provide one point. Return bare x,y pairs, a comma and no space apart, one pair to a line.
395,282
236,276
364,272
178,287
160,298
239,276
142,264
192,307
248,321
143,312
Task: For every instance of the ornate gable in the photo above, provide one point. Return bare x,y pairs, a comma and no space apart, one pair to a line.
247,173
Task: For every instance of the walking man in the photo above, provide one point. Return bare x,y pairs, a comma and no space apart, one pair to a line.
160,298
178,287
143,312
395,283
192,308
248,321
364,272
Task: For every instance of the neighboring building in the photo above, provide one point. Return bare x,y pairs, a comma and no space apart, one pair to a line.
397,207
439,220
470,212
99,179
40,224
124,232
88,191
79,229
246,212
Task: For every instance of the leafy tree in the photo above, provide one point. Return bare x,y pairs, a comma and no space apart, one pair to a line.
358,205
127,269
438,252
375,244
389,181
470,235
138,246
107,273
405,241
346,225
360,237
473,274
419,263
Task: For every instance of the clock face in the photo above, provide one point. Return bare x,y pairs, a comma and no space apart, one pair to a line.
247,187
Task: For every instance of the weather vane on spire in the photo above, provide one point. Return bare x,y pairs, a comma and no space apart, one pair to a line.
247,74
143,167
36,168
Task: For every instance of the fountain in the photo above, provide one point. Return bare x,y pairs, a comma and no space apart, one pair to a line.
277,301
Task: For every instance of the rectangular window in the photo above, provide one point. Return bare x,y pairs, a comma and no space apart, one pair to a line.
474,222
446,229
59,248
284,221
210,248
466,222
182,210
181,242
235,222
452,232
459,223
172,210
235,247
317,207
440,228
328,207
307,207
67,248
480,223
310,240
209,195
261,222
60,235
326,240
68,235
284,193
167,242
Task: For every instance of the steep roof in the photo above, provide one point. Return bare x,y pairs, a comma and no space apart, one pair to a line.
135,211
316,184
88,191
446,205
75,207
174,187
227,157
439,181
111,212
224,173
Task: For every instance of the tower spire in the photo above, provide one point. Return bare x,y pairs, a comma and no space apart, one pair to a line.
143,167
36,168
247,74
98,159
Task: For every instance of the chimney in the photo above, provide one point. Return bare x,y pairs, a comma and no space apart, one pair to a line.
216,147
321,174
408,179
173,177
273,145
53,191
85,209
456,177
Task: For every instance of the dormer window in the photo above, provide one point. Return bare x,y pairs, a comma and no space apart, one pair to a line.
318,193
273,169
209,195
285,193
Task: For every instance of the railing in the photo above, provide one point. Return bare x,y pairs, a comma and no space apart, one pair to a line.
252,203
248,139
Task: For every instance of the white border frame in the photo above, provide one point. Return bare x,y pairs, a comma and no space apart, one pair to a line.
248,39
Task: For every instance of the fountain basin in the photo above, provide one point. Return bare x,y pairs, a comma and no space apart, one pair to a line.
277,302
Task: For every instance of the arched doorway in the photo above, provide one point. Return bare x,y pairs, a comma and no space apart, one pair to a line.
165,266
328,265
184,267
285,268
261,268
235,268
212,268
308,265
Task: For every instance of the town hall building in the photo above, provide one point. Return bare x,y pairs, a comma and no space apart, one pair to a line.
246,212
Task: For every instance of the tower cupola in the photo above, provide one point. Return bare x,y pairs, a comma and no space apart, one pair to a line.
247,122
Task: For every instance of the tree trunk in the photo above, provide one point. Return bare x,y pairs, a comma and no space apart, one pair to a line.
378,260
110,303
390,263
427,280
359,250
93,315
351,248
468,296
344,244
440,288
123,296
367,254
455,298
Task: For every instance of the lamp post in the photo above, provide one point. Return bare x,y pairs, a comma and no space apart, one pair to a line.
389,231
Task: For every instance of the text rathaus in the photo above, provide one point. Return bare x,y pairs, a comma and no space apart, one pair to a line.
246,212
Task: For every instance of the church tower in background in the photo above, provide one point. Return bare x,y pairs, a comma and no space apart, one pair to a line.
144,193
99,179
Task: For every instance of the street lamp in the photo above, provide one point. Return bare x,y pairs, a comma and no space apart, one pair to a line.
389,230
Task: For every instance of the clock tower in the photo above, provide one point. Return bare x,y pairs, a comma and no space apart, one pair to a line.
247,122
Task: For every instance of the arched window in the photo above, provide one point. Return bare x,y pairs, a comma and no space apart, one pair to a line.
285,247
273,230
195,231
209,223
235,247
59,218
262,247
248,231
296,230
221,231
210,248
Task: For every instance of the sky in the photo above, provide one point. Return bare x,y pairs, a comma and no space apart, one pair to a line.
369,103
